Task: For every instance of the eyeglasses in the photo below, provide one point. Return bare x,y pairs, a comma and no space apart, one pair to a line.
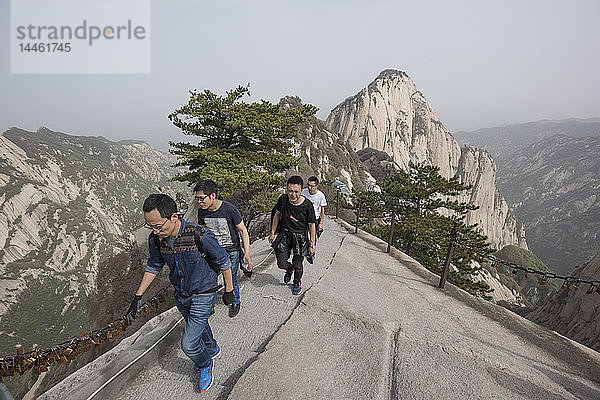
155,228
312,186
201,198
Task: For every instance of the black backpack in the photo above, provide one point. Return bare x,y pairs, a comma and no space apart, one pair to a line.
198,234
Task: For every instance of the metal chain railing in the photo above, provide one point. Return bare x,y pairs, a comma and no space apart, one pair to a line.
569,281
39,360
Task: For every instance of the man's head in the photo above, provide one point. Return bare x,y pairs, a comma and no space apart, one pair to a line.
294,188
313,185
206,193
160,213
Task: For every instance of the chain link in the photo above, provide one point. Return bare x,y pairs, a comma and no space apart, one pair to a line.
570,282
40,360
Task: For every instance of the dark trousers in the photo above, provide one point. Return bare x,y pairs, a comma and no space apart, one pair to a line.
317,227
295,265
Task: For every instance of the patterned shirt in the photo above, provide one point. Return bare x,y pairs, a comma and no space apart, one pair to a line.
189,271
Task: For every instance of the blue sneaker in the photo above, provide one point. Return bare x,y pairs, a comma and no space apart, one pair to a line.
297,288
288,276
216,354
206,378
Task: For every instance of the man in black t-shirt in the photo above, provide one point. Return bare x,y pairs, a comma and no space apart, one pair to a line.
297,216
225,221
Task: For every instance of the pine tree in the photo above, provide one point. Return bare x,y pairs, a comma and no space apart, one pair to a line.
426,207
243,147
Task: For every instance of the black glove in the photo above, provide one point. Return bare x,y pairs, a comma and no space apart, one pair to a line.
228,298
134,307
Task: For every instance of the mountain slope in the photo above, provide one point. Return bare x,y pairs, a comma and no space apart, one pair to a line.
554,188
68,203
324,154
574,313
527,285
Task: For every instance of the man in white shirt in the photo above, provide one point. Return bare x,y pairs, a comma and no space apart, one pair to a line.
317,197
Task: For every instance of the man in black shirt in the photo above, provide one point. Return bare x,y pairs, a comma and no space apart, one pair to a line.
225,221
297,216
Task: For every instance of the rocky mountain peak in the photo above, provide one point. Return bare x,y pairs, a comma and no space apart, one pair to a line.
43,130
392,116
391,80
391,73
288,102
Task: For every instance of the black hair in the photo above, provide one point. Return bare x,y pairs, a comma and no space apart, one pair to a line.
295,180
165,205
207,187
314,179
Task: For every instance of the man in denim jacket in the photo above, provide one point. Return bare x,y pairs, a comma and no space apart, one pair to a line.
194,280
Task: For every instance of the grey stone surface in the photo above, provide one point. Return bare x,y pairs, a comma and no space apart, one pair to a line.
367,325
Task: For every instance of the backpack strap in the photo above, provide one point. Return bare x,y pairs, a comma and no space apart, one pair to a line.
198,234
155,240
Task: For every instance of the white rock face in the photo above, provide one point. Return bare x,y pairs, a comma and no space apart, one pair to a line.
391,115
501,292
64,207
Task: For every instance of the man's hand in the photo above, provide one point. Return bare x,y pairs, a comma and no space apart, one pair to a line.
248,260
311,251
228,298
271,237
134,307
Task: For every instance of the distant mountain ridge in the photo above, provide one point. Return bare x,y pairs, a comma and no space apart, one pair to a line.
548,172
554,187
502,141
68,202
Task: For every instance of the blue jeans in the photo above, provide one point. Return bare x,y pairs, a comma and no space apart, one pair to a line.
197,341
234,259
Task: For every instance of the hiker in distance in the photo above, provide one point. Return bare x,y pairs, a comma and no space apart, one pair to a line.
187,249
225,221
297,237
312,192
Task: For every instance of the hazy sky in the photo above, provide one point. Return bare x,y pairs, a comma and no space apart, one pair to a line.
479,63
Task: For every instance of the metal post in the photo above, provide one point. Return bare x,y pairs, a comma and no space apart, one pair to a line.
337,202
453,237
389,248
357,217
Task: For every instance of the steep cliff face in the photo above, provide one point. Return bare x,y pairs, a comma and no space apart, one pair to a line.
392,116
574,313
494,216
67,203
